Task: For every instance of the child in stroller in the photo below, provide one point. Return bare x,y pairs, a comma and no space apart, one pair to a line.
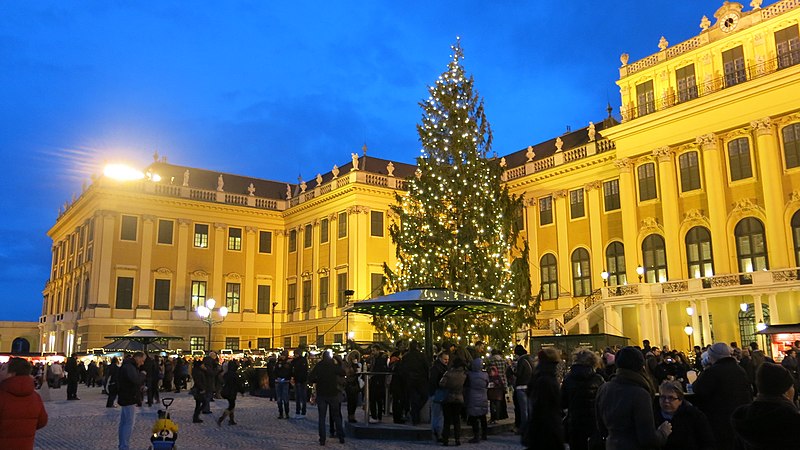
165,431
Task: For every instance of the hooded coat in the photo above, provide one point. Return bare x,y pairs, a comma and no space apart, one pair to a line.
770,422
21,413
477,386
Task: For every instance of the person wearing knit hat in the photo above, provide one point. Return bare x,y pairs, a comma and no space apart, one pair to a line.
765,422
720,389
624,406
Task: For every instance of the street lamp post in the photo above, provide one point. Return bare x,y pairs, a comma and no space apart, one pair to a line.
640,272
348,294
272,342
689,331
604,276
205,313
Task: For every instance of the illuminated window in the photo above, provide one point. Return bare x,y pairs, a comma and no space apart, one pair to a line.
549,276
615,264
234,238
646,174
654,255
233,295
576,205
545,210
698,253
645,96
342,226
324,284
201,235
581,273
751,245
198,294
739,159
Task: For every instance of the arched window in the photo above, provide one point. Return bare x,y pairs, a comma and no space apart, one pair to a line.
751,245
747,323
20,345
615,264
791,145
796,237
549,271
654,255
581,273
698,253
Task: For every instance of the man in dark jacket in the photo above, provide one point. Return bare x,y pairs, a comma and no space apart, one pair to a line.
129,388
624,406
326,376
771,421
416,366
438,369
73,377
523,369
578,395
719,390
299,366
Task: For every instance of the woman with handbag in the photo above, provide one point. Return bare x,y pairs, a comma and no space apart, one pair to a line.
453,380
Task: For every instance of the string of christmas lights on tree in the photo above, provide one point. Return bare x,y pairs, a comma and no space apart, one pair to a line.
456,225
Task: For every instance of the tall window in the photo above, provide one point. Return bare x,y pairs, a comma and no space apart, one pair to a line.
306,295
198,294
308,234
646,99
324,284
581,273
342,226
376,281
751,245
747,323
292,240
201,235
128,228
341,286
264,242
546,210
690,171
234,238
615,264
549,275
733,65
654,254
124,292
791,145
519,217
233,294
376,223
698,253
611,195
264,299
787,44
161,295
795,238
165,231
739,159
687,87
291,297
287,342
264,343
323,231
646,174
86,293
576,205
232,343
197,343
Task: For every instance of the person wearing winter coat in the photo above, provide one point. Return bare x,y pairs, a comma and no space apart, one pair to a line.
438,370
231,387
352,387
771,421
325,376
544,430
477,399
690,427
299,366
73,377
129,385
112,383
624,406
719,390
453,381
21,409
496,368
578,395
283,373
203,383
416,367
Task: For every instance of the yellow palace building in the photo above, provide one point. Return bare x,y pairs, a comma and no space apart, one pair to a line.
682,218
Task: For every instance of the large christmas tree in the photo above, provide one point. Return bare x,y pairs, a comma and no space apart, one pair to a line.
457,225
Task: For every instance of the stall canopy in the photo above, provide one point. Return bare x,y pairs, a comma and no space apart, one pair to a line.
140,339
426,305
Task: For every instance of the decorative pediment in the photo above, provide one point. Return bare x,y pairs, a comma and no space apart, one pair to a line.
306,275
650,225
199,274
163,271
695,217
233,276
745,207
324,271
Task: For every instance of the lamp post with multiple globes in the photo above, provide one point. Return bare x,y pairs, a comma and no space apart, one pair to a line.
206,315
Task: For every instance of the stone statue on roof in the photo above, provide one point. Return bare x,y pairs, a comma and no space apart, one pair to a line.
354,156
319,179
186,177
592,131
530,154
220,183
251,189
559,144
335,171
288,191
390,169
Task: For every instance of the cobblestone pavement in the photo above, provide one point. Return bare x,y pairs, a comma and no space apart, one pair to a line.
87,424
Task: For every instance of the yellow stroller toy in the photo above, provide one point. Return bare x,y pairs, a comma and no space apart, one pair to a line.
165,431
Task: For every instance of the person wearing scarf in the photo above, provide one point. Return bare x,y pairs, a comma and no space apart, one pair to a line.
624,407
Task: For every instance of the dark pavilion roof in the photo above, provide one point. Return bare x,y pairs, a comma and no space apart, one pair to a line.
571,139
238,184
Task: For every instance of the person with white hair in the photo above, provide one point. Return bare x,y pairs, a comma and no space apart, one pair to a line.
720,389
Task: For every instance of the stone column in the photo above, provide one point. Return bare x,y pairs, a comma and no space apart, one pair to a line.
774,316
217,288
696,333
184,243
669,209
706,332
143,304
249,279
560,199
646,321
592,191
770,171
630,221
759,310
717,203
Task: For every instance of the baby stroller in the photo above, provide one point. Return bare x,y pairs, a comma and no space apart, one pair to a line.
165,431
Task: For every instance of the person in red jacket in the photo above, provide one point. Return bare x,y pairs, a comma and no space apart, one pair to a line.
21,409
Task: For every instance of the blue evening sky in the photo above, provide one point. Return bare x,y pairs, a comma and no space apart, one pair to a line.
277,89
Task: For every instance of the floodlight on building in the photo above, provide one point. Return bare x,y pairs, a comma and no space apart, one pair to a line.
122,172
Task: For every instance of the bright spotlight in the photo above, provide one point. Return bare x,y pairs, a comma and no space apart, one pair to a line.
122,172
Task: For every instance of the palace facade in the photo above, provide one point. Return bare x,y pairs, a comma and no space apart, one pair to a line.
678,224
